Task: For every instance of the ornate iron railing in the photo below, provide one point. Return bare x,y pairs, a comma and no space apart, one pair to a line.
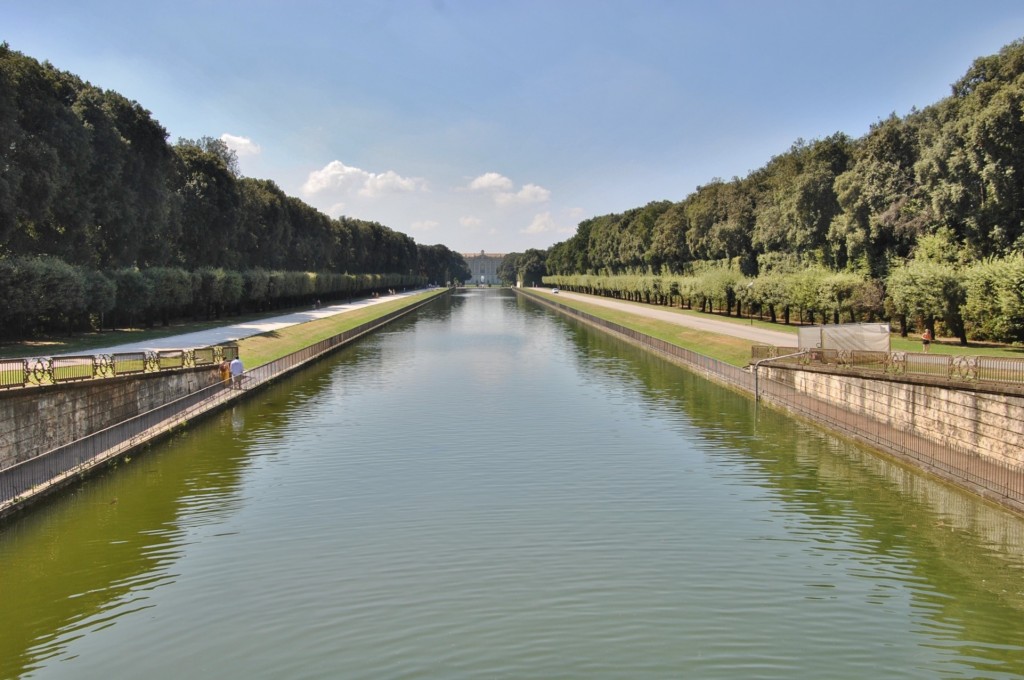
36,475
60,369
957,369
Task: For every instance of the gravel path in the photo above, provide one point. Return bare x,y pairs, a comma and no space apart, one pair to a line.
709,324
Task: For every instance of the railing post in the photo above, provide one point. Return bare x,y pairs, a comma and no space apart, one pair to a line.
757,365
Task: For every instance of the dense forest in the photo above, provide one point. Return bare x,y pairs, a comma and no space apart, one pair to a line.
920,221
101,219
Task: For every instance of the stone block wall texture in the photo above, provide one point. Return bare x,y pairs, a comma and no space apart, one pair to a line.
35,420
975,420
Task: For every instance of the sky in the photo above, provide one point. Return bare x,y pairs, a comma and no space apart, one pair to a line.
499,125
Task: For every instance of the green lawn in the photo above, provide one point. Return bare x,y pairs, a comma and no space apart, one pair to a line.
264,348
84,343
256,350
737,351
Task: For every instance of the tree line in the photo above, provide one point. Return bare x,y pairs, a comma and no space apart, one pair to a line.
44,294
982,301
90,189
925,212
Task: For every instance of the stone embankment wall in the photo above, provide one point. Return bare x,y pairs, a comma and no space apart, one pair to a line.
974,419
50,436
970,435
39,419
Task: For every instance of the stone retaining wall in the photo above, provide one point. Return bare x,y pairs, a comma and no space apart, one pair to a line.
39,419
972,419
970,435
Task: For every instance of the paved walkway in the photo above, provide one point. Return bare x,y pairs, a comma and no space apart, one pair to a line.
234,332
226,334
709,324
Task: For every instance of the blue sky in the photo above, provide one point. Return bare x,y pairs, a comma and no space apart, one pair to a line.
500,125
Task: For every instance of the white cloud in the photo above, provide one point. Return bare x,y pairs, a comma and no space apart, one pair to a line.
470,221
243,146
489,181
503,190
390,182
336,176
425,225
530,193
542,223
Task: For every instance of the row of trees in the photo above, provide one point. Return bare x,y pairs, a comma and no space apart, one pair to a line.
861,209
984,300
46,294
88,177
844,203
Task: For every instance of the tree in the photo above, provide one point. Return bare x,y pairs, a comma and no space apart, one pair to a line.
668,239
437,264
530,267
994,299
171,293
637,229
704,209
973,167
508,269
882,208
804,291
133,295
209,207
925,290
836,292
604,234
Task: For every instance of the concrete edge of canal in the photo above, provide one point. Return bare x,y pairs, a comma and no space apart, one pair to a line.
26,482
967,437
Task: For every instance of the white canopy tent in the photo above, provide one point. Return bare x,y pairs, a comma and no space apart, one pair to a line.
872,337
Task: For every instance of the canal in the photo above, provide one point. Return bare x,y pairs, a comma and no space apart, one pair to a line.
485,489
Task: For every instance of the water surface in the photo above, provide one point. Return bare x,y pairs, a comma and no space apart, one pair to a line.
488,490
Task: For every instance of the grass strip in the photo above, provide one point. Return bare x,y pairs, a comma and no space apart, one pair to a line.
84,343
260,349
737,351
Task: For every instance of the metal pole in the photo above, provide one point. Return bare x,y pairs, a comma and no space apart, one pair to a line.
757,365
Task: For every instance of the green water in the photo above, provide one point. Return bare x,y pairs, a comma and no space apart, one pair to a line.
486,490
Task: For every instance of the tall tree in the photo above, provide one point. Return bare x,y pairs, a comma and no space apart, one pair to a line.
209,206
882,213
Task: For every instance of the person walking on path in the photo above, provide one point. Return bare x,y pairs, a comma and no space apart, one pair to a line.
237,369
225,372
926,340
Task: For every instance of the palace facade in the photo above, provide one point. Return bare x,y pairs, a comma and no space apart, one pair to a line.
484,267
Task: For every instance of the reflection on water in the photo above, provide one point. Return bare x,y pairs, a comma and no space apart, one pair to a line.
486,489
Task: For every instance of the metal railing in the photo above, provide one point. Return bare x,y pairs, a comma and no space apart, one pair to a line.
30,478
38,371
1000,482
953,368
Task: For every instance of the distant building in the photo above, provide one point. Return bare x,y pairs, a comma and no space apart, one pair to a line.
483,267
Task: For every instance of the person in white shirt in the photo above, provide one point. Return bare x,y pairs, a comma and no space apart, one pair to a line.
236,372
